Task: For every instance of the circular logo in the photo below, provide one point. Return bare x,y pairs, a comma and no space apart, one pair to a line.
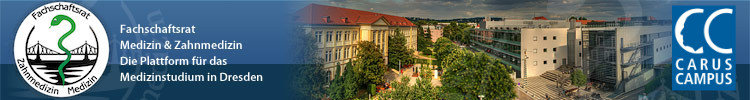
61,49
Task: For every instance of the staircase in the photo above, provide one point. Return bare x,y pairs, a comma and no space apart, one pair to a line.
555,75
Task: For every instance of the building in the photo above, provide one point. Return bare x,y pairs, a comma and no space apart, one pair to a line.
623,58
531,47
620,56
436,31
338,30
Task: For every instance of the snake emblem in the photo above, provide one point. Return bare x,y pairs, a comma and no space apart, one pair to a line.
56,21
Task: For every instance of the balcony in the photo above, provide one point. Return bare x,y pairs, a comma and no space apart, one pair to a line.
499,40
497,49
514,66
497,30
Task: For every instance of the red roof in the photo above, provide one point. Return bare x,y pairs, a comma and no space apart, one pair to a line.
540,18
317,14
623,19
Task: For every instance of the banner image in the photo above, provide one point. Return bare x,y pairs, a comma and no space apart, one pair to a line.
375,49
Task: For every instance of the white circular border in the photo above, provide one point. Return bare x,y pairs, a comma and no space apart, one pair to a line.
19,49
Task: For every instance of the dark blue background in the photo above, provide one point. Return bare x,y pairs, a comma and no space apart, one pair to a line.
722,33
264,28
742,50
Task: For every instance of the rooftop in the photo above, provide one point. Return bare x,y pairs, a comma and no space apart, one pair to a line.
330,15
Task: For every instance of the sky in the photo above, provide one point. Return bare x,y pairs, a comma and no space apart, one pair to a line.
511,9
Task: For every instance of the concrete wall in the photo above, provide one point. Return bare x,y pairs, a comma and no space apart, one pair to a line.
533,45
640,80
663,50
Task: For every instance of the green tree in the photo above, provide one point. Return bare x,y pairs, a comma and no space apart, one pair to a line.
344,86
443,47
428,34
309,80
473,74
370,63
360,74
422,44
578,78
309,77
423,39
422,90
457,32
397,51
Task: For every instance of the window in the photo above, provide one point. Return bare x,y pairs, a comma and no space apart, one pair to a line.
554,37
328,56
338,52
354,34
346,35
534,38
579,54
579,43
544,50
535,63
544,38
346,52
534,50
545,62
554,49
329,36
554,61
338,35
318,36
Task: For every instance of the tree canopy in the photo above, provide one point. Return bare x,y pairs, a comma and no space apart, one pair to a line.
422,90
360,74
398,53
458,32
473,74
578,78
370,62
424,40
443,47
345,86
309,77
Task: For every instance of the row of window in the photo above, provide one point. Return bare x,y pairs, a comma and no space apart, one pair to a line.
505,28
337,54
340,35
545,38
667,47
553,50
545,62
545,50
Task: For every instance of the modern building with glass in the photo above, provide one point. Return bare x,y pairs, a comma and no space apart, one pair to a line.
530,47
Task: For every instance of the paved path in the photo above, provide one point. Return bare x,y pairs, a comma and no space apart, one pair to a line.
422,57
396,75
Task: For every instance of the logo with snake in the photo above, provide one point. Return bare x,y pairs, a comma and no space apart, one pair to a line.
61,49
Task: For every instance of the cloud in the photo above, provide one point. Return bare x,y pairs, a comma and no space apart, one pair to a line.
514,9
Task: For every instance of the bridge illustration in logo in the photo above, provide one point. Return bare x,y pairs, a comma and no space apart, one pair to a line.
38,53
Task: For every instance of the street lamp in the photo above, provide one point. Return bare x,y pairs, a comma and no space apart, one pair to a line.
480,97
